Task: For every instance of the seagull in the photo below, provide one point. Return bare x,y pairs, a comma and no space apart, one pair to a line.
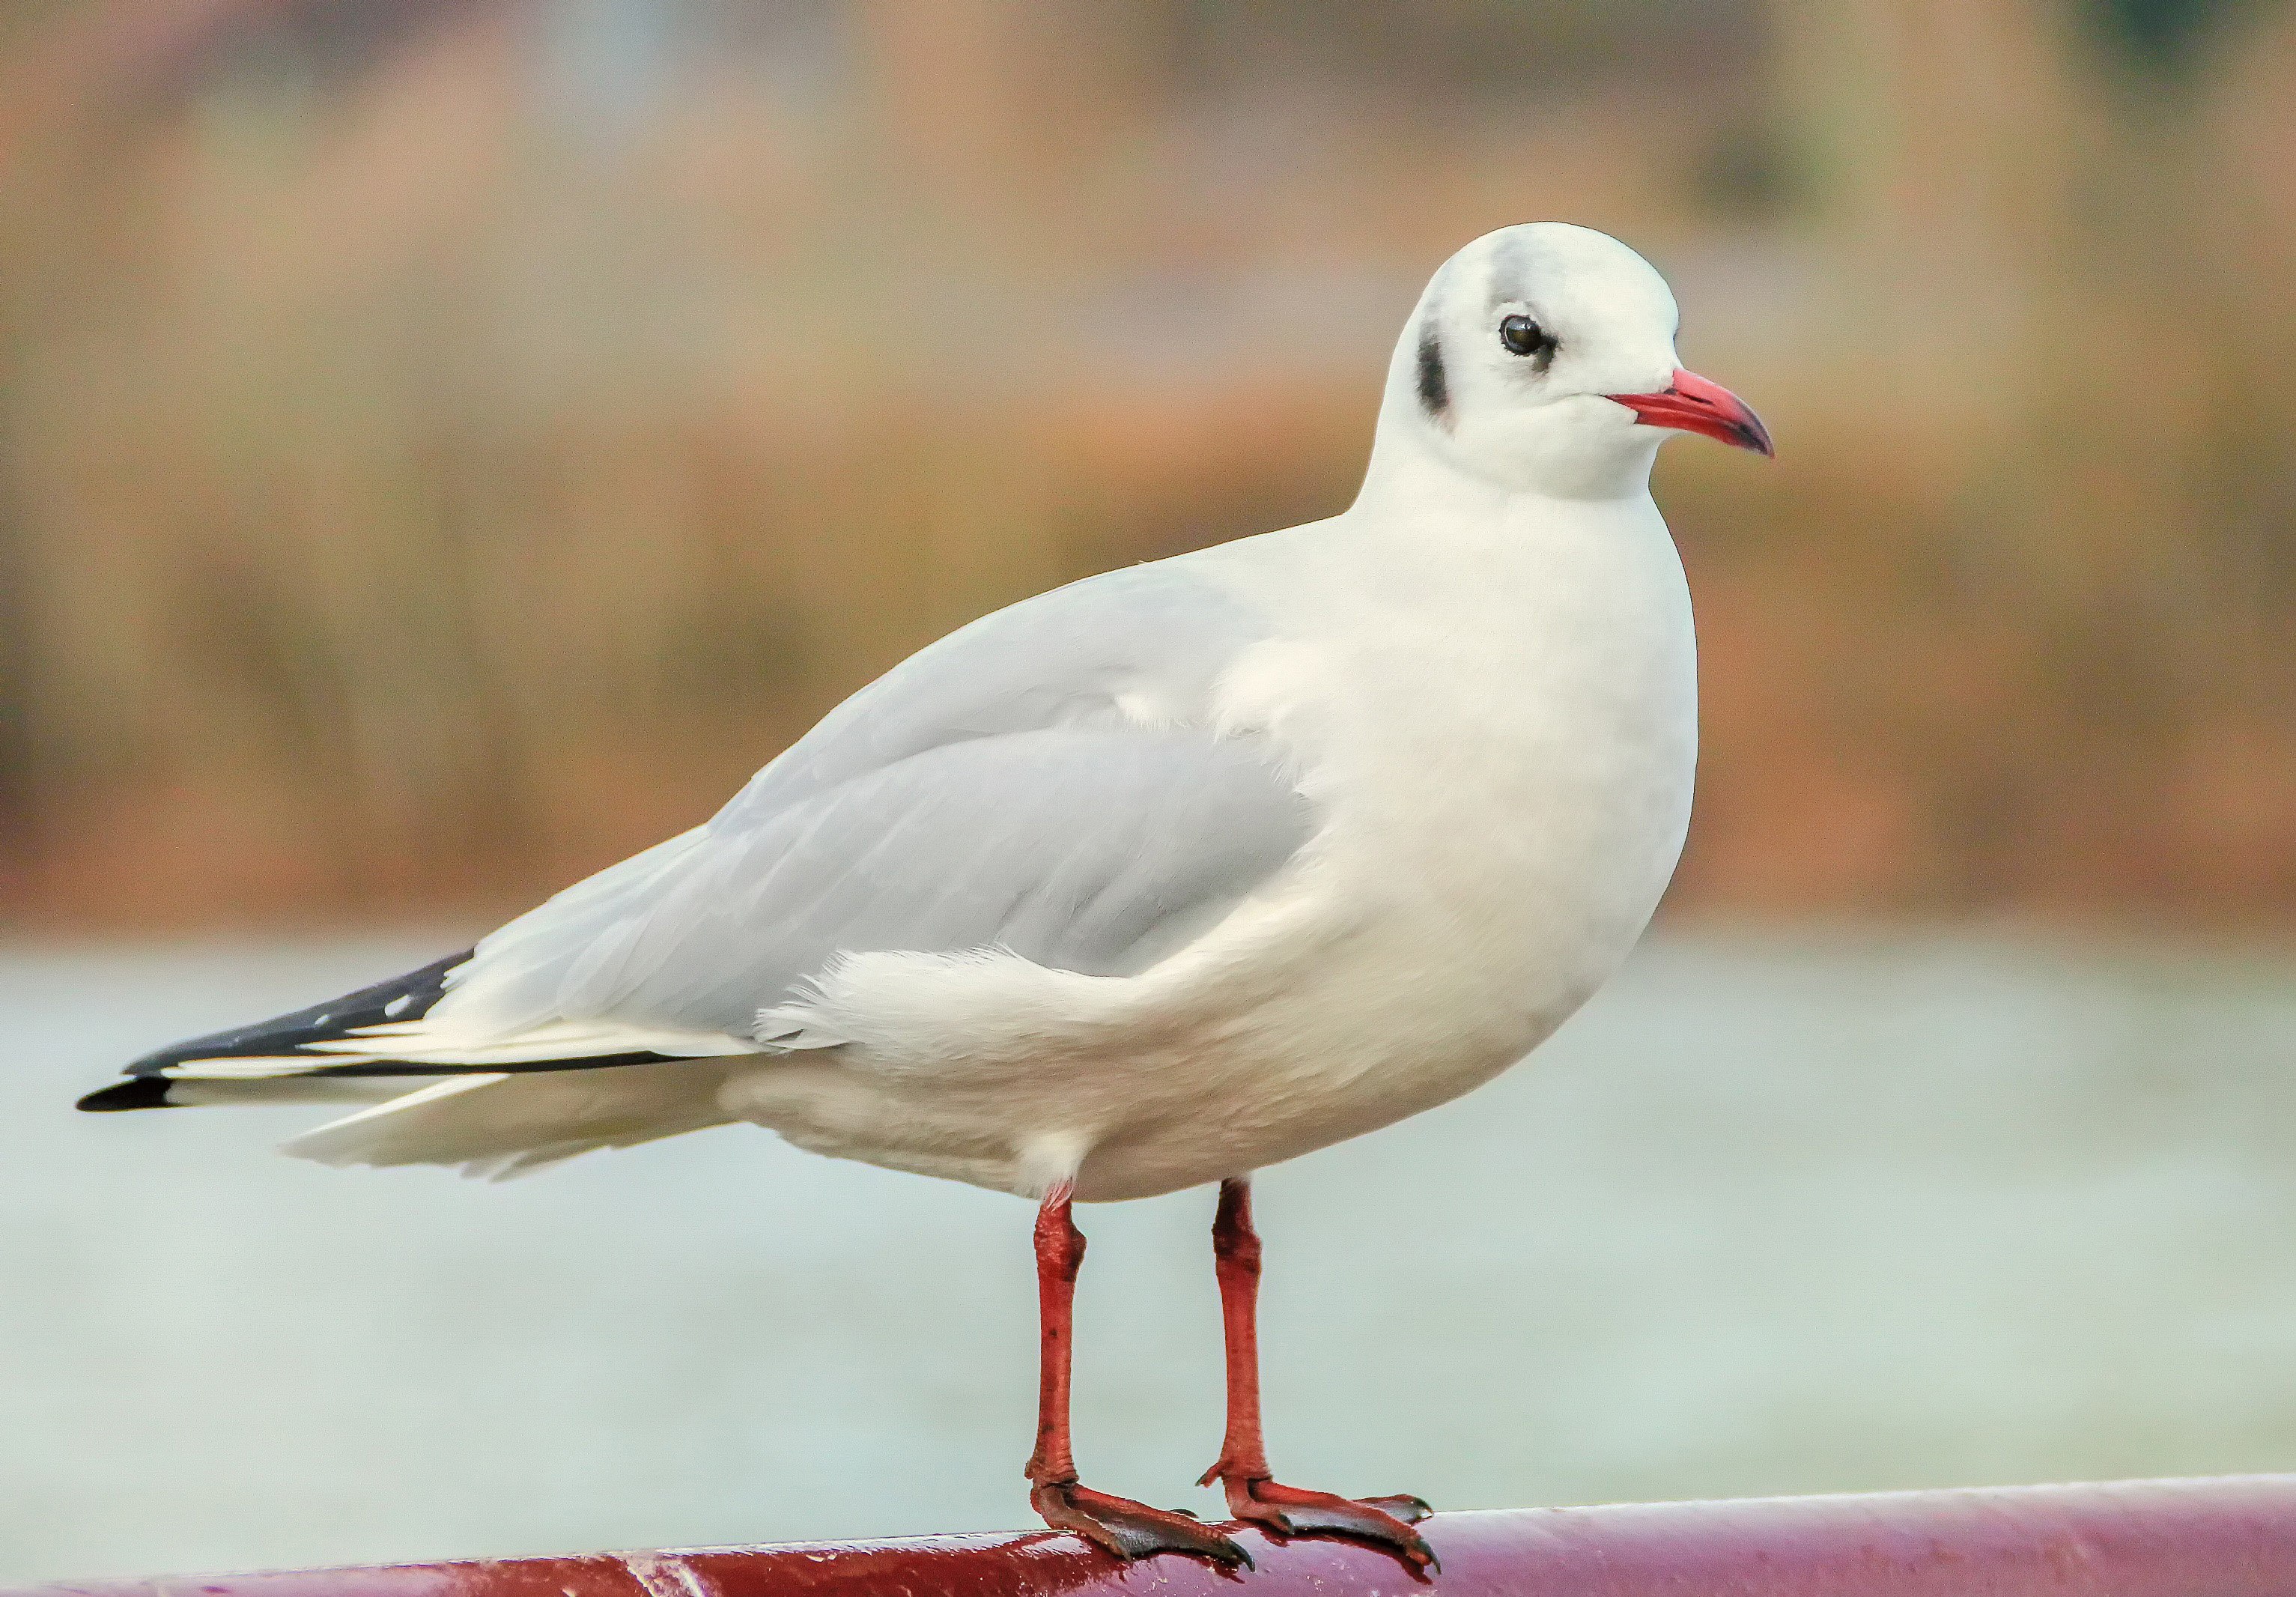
1148,882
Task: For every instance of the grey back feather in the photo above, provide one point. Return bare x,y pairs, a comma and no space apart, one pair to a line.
988,793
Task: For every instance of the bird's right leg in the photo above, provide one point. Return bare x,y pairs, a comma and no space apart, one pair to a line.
1127,1528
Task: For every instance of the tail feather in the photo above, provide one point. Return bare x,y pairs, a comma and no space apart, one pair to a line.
504,1125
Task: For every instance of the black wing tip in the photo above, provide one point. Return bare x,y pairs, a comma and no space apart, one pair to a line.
287,1039
401,998
407,997
136,1092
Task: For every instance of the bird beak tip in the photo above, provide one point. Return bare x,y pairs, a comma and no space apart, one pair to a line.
1693,404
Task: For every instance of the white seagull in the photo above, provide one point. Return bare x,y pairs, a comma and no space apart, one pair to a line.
1150,881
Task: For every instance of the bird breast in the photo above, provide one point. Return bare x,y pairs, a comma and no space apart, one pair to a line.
1499,726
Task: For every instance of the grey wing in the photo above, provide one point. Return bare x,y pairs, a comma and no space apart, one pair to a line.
1085,850
989,792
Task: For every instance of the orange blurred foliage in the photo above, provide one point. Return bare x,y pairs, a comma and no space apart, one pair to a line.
445,445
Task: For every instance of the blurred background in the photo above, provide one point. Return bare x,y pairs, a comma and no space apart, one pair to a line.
446,445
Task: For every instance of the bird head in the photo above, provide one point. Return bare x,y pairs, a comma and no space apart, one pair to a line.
1541,358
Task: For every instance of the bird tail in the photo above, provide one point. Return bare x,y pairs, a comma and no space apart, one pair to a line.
499,1125
507,1103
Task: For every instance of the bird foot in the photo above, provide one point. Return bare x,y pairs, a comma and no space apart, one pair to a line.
1293,1511
1128,1530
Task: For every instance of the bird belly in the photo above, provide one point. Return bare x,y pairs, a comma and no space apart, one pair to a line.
1135,1117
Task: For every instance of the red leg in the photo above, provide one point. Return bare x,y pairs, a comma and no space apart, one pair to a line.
1127,1528
1060,1256
1243,1468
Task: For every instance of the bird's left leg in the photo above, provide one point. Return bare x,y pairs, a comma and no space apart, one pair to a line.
1243,1468
1127,1528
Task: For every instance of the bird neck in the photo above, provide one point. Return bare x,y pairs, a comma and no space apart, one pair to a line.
1421,511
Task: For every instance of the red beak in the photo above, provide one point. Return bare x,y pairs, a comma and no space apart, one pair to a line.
1694,405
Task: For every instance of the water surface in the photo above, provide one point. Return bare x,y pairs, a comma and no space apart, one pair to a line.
1775,1215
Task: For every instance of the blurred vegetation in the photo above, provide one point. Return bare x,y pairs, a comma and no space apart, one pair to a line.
447,444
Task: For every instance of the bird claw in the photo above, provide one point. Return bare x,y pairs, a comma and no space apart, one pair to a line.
1294,1511
1404,1506
1131,1530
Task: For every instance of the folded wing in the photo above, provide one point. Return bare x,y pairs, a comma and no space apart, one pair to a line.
1043,782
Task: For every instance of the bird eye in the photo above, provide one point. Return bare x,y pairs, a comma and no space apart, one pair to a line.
1523,336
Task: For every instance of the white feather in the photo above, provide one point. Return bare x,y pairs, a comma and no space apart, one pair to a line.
499,1125
422,1042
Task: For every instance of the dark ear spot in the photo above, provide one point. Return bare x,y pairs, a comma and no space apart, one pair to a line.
1434,393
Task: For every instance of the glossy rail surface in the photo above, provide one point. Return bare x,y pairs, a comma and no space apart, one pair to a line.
2229,1537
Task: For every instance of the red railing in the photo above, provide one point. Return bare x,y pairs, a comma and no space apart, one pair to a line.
2231,1537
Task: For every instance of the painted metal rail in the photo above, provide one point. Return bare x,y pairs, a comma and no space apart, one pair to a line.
2229,1537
